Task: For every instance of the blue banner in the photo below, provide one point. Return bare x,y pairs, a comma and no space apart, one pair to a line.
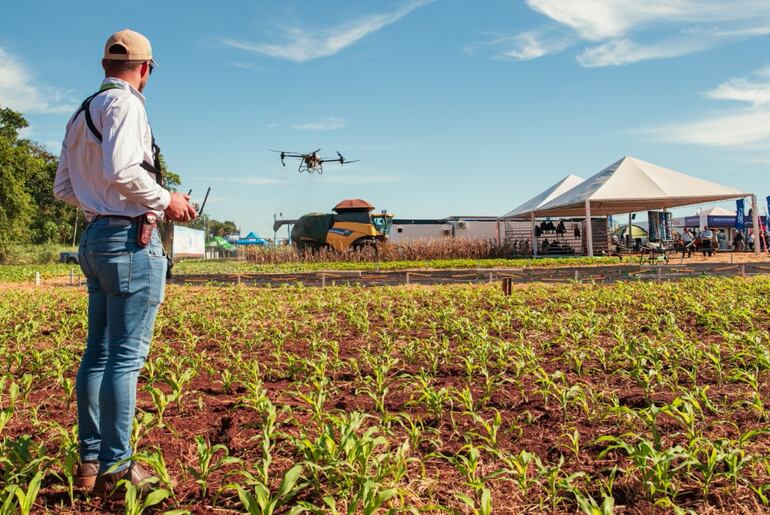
767,222
740,218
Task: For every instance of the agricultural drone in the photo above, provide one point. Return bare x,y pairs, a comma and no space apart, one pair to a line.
311,162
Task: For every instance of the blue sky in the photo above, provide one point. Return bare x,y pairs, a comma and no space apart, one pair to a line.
453,107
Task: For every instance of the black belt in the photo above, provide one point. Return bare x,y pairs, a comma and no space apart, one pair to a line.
120,217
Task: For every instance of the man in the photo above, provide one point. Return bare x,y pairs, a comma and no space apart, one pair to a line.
705,241
687,242
108,168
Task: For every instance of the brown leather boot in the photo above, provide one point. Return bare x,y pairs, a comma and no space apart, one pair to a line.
85,474
106,483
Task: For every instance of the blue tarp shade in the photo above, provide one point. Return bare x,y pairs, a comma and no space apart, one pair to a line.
720,221
251,239
692,221
728,222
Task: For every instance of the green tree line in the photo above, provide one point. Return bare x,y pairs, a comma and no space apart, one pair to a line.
28,211
29,215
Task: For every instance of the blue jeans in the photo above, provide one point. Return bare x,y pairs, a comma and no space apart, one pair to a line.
126,285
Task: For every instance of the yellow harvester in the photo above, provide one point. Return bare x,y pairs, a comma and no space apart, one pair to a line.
351,226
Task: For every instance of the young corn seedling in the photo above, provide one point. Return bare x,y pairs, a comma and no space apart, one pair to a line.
135,504
67,456
261,501
489,435
315,399
686,412
520,468
589,506
143,422
26,498
177,383
556,481
227,379
161,401
367,501
484,505
659,468
154,459
211,458
377,384
8,404
573,443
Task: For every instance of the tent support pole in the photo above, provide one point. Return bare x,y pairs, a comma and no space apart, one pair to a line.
532,233
589,231
755,225
630,231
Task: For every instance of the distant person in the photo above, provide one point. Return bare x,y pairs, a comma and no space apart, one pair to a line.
109,167
705,241
750,241
739,243
687,241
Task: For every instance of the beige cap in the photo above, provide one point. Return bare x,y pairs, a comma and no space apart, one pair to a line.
135,47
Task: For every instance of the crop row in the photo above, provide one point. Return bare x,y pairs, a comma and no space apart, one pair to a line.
636,397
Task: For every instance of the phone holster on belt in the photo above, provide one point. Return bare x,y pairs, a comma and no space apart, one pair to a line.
147,222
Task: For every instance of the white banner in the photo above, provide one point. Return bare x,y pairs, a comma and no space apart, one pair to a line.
189,242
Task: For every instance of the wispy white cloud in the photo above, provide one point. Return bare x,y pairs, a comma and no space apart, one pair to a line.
620,32
327,124
749,125
524,46
244,66
304,44
19,90
754,91
623,51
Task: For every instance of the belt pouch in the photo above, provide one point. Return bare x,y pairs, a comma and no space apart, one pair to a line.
147,223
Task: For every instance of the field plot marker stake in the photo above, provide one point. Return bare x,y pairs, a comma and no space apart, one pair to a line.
491,277
37,278
72,277
323,280
577,275
743,270
660,273
407,278
507,281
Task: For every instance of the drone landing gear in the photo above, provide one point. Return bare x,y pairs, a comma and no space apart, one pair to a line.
302,168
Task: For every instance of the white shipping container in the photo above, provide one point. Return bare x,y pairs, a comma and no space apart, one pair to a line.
402,233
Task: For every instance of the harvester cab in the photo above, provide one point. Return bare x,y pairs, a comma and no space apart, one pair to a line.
383,222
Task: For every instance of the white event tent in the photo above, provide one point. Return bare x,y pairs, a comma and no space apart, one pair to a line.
631,185
524,211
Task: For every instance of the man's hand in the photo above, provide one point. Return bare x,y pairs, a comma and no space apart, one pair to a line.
180,209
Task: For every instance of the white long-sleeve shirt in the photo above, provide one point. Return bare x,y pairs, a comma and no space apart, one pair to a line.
107,178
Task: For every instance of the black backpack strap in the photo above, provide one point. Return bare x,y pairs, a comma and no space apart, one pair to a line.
154,168
85,107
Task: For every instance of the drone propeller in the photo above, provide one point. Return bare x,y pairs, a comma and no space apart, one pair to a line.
343,161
